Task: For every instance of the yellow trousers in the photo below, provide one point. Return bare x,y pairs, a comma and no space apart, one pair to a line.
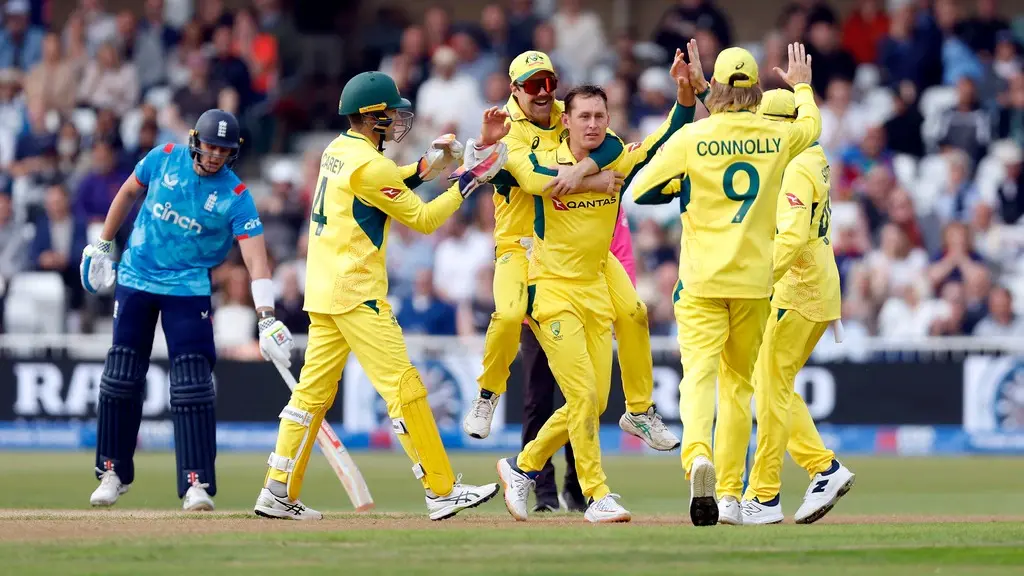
718,337
501,343
783,420
572,322
371,332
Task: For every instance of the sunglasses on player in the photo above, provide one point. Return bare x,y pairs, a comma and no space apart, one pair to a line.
533,85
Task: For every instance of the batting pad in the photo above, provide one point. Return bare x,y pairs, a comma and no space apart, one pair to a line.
195,425
120,411
296,435
417,422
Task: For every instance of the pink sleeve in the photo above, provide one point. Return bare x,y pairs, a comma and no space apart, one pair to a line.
622,246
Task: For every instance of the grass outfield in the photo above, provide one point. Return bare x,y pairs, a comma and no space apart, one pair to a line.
904,516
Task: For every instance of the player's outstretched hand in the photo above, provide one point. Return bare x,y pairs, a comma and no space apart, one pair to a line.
680,72
276,342
697,79
479,165
443,151
494,127
799,66
97,269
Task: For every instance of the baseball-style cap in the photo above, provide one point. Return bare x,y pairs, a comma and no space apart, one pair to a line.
734,61
529,63
778,104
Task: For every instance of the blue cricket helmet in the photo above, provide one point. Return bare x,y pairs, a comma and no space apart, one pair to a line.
216,128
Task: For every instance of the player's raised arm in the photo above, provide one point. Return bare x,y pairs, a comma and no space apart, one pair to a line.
807,127
793,218
97,267
651,185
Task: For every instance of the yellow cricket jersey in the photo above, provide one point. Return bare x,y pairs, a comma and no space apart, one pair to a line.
806,275
572,234
727,170
358,191
513,209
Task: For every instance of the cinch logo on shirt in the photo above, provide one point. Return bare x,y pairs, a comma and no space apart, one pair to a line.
252,224
166,213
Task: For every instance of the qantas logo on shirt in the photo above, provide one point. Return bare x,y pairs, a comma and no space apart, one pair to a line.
574,204
794,202
391,193
633,146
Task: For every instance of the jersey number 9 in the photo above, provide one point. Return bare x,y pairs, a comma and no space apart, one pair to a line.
317,215
747,198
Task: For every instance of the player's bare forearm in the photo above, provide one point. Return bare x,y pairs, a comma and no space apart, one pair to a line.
254,254
120,207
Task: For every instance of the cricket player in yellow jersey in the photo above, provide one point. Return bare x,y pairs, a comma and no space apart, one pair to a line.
359,191
536,126
569,307
727,170
806,300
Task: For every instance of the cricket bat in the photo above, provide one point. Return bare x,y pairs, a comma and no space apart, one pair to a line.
337,455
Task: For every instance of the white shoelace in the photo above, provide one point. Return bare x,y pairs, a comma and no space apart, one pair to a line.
523,487
108,478
202,485
482,408
609,503
656,422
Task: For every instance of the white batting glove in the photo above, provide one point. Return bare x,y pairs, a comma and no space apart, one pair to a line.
276,342
479,166
98,270
442,152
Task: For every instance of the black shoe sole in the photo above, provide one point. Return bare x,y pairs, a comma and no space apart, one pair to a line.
704,511
473,505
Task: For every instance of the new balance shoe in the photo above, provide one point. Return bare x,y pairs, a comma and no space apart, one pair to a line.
517,485
477,422
825,490
729,511
703,503
756,512
270,506
649,427
462,497
607,510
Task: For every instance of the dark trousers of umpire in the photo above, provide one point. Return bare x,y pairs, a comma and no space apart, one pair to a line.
539,388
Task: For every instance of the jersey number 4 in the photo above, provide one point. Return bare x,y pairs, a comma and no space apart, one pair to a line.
746,198
317,215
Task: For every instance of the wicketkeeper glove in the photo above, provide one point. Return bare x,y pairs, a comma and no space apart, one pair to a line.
442,151
98,270
479,166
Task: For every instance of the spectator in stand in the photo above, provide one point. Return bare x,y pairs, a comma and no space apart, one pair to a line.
1010,118
288,306
31,142
496,29
957,59
473,315
953,320
234,319
108,129
71,161
382,36
618,102
829,59
922,231
192,100
1000,322
901,54
275,22
228,68
410,67
99,25
59,240
149,137
895,264
792,24
21,44
109,82
580,38
864,30
459,255
258,50
1006,64
958,261
843,121
423,312
545,39
981,31
14,241
967,127
850,239
1007,198
775,56
212,15
179,61
652,247
662,314
153,23
474,61
656,93
99,187
143,49
521,23
859,158
903,130
12,114
52,81
437,25
910,314
281,214
680,22
409,253
445,96
959,195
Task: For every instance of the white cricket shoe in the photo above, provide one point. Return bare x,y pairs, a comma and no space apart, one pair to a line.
648,427
477,422
703,503
196,499
607,509
109,490
756,512
517,487
270,506
460,498
729,511
825,490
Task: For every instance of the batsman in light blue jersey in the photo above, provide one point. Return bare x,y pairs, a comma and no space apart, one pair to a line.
195,208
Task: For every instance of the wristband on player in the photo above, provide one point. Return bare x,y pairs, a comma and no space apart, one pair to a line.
263,293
